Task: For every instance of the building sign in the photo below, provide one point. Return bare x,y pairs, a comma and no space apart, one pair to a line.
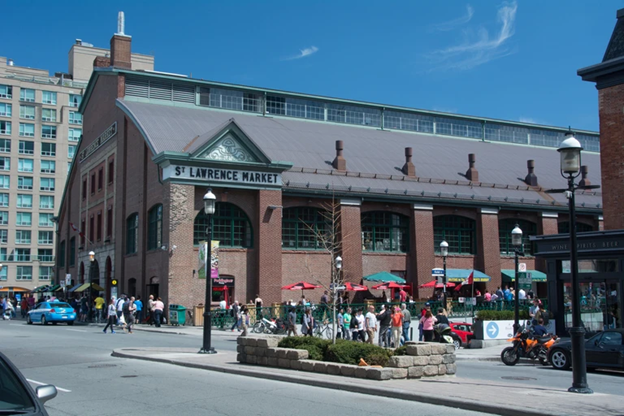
99,142
224,281
243,177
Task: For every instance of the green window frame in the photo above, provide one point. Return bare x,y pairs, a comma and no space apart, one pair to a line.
132,233
154,227
385,231
563,227
301,226
504,236
459,232
61,258
230,226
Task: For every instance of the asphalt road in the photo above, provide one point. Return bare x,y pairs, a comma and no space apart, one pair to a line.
77,360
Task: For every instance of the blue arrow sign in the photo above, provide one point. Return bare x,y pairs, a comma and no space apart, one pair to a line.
492,330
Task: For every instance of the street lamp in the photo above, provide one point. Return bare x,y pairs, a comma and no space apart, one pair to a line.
570,150
444,252
338,264
91,269
209,209
516,242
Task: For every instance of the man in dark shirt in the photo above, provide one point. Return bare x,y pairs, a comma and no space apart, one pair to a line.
292,322
441,317
384,317
539,329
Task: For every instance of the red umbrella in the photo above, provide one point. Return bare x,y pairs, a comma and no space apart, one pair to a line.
434,283
390,285
354,287
301,286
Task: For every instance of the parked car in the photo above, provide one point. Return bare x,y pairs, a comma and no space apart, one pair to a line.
16,394
603,350
54,312
463,330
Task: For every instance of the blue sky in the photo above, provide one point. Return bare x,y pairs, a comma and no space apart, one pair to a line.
508,60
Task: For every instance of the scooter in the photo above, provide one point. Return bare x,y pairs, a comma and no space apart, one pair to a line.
527,344
443,333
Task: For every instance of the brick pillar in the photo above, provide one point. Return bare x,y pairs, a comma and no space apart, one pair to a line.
269,243
488,247
600,223
421,247
548,225
351,237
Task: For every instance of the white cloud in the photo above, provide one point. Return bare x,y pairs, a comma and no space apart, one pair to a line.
452,24
303,53
480,49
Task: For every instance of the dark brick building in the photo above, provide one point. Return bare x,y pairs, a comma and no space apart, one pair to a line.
401,180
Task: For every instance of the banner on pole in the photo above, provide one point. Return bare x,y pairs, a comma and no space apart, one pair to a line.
214,260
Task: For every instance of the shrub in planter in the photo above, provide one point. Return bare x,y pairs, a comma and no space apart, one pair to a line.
316,347
350,352
401,350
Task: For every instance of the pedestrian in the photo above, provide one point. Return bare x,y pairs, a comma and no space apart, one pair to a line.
150,310
158,309
236,315
384,319
84,308
128,311
138,305
111,316
292,322
534,311
402,295
346,324
119,308
244,320
371,324
24,307
323,303
397,326
423,311
441,317
99,306
360,328
407,318
428,321
340,322
9,310
307,323
258,303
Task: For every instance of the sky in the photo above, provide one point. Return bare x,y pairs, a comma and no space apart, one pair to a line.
510,60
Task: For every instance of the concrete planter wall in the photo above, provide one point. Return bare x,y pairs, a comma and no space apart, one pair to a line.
422,360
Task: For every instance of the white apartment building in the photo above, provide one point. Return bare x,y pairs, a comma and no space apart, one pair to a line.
40,128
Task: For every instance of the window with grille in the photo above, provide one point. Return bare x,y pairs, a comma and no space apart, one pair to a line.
27,112
504,236
48,166
24,272
5,128
48,132
46,238
154,230
6,91
48,97
25,165
45,254
4,200
5,163
459,232
6,110
4,239
4,218
48,114
27,94
48,149
25,183
22,254
45,219
385,231
23,218
24,201
26,147
23,236
564,227
132,233
45,272
74,135
27,130
5,181
46,202
230,226
305,228
75,118
47,184
5,144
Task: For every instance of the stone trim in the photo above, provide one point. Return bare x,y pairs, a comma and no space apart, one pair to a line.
422,360
549,215
489,211
422,207
351,201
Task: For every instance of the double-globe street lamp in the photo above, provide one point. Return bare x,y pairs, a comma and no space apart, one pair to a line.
516,242
210,201
444,251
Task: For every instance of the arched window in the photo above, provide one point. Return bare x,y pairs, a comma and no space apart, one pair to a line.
302,226
154,227
230,226
459,233
564,227
504,236
385,231
132,233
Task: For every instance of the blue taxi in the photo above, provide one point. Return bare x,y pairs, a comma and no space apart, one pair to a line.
52,312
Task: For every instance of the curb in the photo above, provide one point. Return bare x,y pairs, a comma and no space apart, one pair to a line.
244,370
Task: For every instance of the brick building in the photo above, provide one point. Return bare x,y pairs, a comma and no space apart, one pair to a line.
399,180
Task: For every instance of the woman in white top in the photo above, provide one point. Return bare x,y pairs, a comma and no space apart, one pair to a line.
111,316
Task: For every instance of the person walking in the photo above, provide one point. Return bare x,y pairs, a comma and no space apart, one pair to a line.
99,308
371,324
138,304
111,316
244,320
128,312
292,322
384,319
397,326
407,319
346,326
158,309
359,332
24,306
428,321
340,322
307,324
150,310
236,315
119,308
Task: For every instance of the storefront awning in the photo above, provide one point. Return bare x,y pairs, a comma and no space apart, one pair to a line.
74,287
459,275
14,289
97,287
536,275
384,277
82,287
53,288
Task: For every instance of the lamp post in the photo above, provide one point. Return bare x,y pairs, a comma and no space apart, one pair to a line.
338,264
444,252
516,242
209,209
92,260
570,150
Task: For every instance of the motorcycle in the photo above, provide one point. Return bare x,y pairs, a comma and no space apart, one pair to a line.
528,345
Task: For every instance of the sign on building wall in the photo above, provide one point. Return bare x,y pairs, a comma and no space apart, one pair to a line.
214,260
215,175
108,134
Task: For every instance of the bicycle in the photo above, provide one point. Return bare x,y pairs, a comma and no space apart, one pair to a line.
324,330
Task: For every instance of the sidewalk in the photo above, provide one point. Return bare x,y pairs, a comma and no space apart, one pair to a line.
459,392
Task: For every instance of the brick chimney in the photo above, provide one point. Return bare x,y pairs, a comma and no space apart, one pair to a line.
531,179
339,162
120,46
101,62
609,78
472,173
584,181
408,168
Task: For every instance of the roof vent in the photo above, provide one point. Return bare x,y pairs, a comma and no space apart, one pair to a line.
472,174
584,181
408,168
531,179
339,162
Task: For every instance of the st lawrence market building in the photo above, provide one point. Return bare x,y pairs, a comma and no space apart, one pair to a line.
400,182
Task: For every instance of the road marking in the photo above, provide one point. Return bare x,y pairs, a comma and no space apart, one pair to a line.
77,330
43,384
